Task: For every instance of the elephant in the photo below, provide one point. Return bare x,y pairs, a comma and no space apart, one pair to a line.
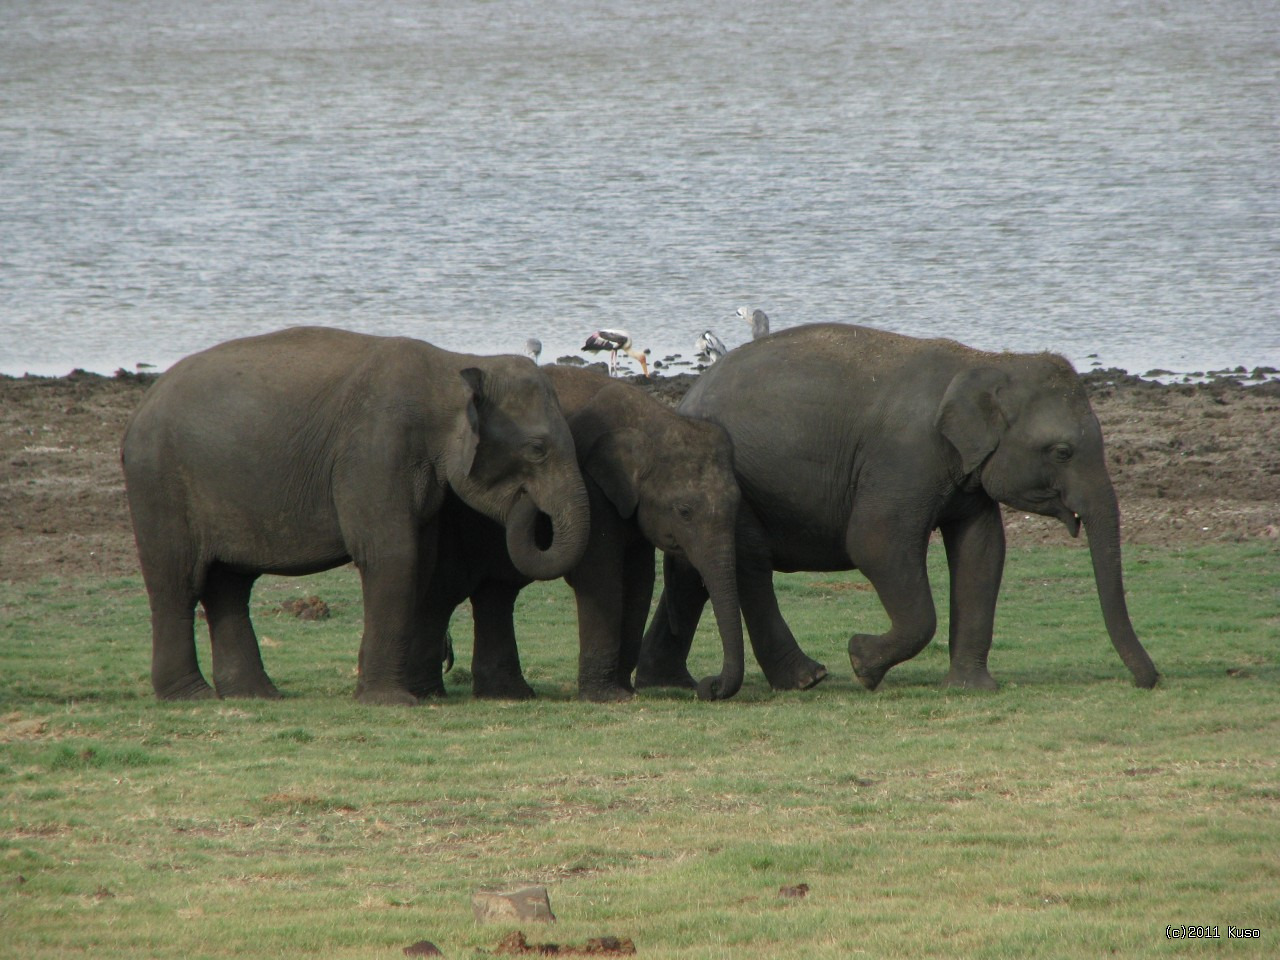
654,479
300,450
852,445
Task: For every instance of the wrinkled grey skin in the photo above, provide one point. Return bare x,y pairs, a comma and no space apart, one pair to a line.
654,479
301,450
852,445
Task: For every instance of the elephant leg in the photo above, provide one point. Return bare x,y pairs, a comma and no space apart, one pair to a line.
785,665
638,576
975,556
598,584
495,659
894,562
393,578
664,649
237,659
175,670
429,647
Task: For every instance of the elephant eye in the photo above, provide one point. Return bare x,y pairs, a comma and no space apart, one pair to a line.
1062,452
684,511
535,451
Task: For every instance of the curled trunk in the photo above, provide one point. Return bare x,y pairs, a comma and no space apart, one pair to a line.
546,544
1102,523
720,577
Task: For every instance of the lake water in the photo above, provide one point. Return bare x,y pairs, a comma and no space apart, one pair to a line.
1097,178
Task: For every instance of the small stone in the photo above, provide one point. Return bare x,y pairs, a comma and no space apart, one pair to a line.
503,906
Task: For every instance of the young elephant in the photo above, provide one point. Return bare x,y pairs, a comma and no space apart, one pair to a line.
301,450
851,446
654,478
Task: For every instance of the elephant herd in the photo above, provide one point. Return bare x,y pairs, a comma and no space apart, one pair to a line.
446,477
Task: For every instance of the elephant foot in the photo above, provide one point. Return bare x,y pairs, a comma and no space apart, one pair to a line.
868,662
679,676
973,679
236,680
427,688
262,689
422,694
606,694
429,693
504,688
386,696
190,688
804,674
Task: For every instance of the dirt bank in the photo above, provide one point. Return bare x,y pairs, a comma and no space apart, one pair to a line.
1191,463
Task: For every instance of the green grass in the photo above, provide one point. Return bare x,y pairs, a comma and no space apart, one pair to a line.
1068,815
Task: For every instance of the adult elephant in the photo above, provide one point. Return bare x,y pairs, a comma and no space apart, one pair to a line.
301,450
851,445
654,479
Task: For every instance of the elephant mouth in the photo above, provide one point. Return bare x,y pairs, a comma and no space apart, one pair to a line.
543,531
1050,504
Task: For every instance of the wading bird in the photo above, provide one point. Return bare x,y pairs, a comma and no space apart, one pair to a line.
533,348
613,341
758,320
710,348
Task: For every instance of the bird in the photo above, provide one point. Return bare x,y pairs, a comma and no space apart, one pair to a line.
533,348
710,348
613,341
758,320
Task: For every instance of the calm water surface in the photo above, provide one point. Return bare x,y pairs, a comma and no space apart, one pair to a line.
1096,178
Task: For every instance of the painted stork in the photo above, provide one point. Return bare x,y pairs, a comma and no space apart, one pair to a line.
758,320
710,348
533,348
613,341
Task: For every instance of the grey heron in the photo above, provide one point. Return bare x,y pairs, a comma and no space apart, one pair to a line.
710,347
758,319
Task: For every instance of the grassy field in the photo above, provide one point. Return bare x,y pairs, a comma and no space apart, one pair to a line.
1068,815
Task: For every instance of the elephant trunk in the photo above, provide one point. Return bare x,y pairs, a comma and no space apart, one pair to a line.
1102,523
547,543
720,577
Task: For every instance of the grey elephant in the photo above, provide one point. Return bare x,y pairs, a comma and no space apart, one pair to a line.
851,445
297,451
654,479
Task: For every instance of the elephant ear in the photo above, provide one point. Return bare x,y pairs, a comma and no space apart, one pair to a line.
970,415
610,455
468,433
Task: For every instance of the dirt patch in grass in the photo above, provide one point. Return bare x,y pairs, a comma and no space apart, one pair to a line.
516,945
1191,463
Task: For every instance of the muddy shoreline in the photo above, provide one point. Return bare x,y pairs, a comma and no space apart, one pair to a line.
1192,462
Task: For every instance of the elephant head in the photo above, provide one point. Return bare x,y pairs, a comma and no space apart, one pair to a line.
513,459
1024,431
675,476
